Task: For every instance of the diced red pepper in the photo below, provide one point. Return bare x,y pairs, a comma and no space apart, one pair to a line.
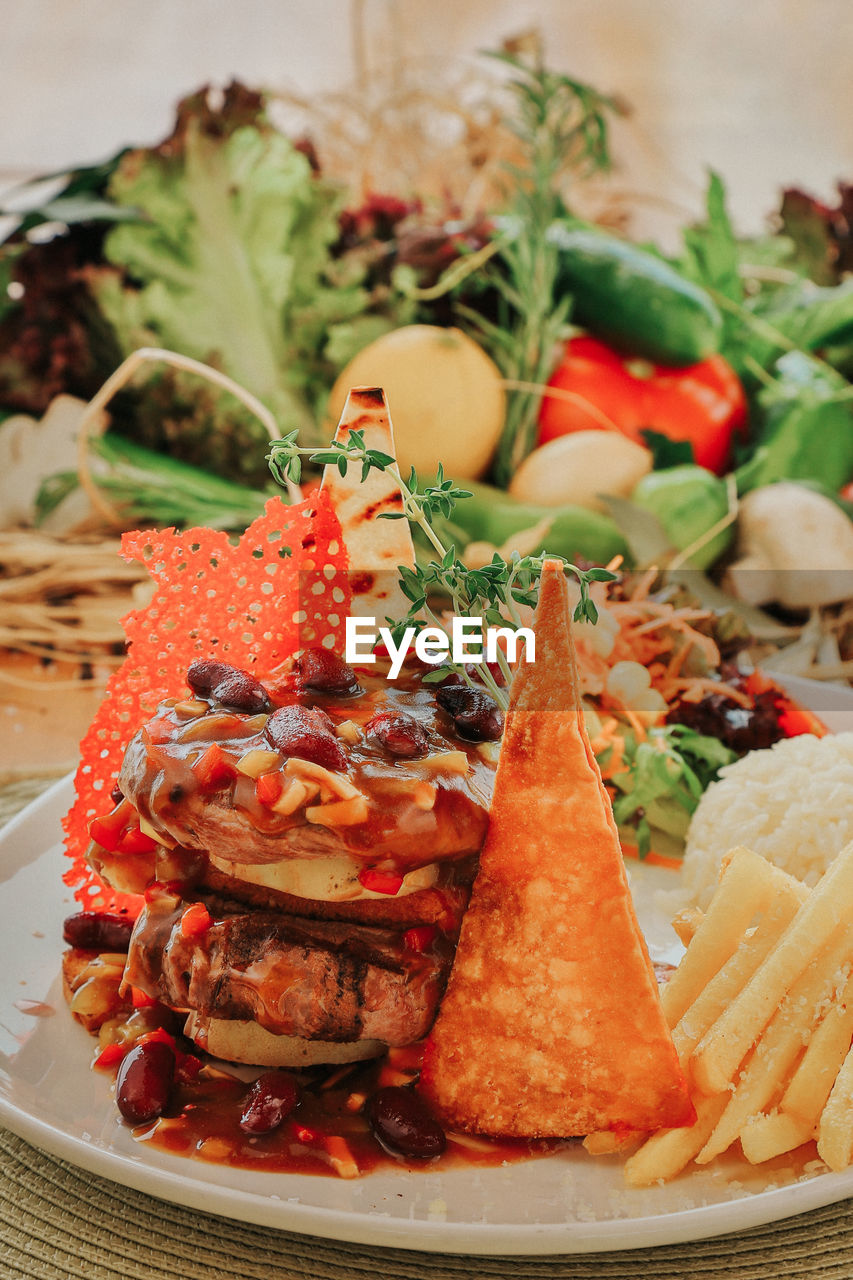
794,720
188,1067
377,881
195,921
140,1000
311,1137
213,769
757,682
135,840
110,1055
156,889
268,788
420,937
108,829
159,1033
159,730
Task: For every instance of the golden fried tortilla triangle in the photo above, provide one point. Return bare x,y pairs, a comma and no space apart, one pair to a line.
552,1024
375,546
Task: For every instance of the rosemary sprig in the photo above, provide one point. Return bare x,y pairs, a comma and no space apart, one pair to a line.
492,592
562,126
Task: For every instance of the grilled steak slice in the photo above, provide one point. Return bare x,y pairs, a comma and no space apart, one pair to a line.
322,980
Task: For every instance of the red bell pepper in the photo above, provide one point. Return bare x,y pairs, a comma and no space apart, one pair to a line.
268,788
108,829
135,840
378,881
195,921
119,831
213,769
703,404
419,937
111,1055
140,1000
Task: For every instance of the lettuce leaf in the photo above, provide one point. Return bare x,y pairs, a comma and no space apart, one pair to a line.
231,263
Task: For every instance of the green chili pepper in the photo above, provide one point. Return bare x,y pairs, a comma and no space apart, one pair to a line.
688,501
491,515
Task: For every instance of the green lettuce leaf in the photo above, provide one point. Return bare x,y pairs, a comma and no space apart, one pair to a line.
806,427
231,264
664,780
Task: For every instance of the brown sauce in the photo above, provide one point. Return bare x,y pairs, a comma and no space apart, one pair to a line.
203,1123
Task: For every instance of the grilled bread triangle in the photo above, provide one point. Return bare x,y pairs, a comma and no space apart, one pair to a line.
375,546
552,1025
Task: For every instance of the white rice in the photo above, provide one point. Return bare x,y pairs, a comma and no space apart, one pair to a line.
792,803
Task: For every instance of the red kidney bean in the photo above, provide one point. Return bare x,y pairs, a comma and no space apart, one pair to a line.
242,692
144,1081
482,722
476,716
399,734
403,1124
453,697
229,685
98,931
269,1101
325,672
474,671
305,733
204,674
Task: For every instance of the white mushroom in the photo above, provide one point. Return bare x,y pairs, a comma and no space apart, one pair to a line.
795,548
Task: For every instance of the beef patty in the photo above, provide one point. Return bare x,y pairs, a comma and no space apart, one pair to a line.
318,979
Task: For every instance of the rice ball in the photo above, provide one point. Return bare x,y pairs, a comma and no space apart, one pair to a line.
792,803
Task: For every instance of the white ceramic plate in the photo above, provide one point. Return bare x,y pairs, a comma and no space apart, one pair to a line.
566,1203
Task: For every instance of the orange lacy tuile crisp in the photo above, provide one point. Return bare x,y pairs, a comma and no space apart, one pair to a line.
552,1025
282,587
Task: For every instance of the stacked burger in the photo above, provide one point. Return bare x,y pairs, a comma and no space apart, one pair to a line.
307,838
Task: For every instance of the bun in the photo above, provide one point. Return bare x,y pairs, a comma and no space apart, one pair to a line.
234,1040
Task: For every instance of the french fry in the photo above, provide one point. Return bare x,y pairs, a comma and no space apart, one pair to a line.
776,1052
835,1132
669,1151
607,1142
766,1136
748,884
725,1046
729,981
810,1087
686,922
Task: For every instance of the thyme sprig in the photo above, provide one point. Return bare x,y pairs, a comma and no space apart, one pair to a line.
493,592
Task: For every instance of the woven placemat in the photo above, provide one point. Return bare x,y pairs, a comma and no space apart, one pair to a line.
58,1222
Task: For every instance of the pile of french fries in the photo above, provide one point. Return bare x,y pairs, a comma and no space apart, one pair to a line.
761,1013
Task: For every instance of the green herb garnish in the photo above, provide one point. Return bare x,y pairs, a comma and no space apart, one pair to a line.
492,592
562,126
